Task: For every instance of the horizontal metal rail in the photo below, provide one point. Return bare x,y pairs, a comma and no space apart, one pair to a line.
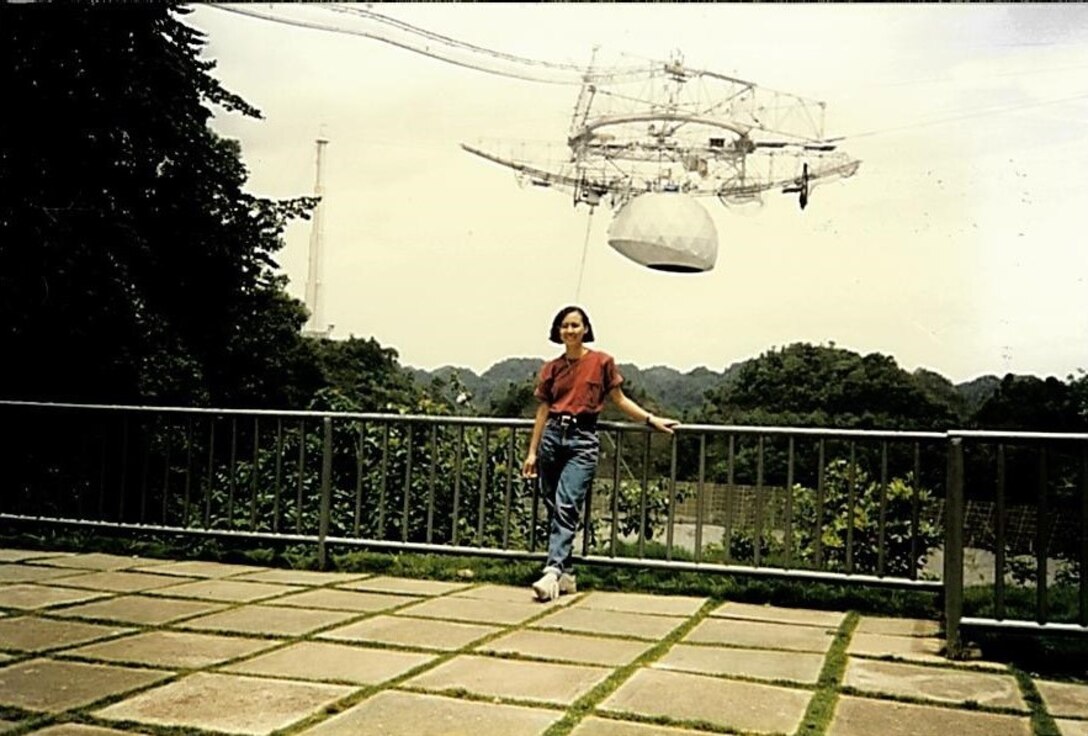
726,429
1031,627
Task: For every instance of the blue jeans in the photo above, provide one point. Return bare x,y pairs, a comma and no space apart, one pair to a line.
567,460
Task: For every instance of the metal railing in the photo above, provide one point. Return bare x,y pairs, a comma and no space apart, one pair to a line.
867,507
1046,471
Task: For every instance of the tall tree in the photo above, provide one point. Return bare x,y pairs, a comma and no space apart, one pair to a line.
133,265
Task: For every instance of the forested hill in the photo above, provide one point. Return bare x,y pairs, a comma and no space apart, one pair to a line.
679,392
682,394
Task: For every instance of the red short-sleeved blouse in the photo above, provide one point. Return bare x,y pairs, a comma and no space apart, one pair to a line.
580,386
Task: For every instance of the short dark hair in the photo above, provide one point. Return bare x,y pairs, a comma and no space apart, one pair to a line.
558,320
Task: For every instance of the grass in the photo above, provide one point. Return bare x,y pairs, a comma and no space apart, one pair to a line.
1033,654
822,706
1042,724
751,589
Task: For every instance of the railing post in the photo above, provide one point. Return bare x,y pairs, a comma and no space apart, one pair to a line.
326,476
953,548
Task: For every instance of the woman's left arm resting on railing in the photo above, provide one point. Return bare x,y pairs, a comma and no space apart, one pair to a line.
638,414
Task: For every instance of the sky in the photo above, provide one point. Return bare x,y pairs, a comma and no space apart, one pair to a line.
958,246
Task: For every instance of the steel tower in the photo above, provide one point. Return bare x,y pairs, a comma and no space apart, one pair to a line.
315,298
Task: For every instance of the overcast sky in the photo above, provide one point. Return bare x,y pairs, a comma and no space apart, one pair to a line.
959,246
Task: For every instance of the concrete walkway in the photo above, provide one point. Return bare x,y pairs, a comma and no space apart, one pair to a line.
94,644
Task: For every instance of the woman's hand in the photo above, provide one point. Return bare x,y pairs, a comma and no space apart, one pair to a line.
662,424
528,468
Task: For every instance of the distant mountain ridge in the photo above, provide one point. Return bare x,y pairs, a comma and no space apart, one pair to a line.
676,391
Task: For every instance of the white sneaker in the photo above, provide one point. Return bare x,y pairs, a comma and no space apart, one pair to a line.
547,588
567,584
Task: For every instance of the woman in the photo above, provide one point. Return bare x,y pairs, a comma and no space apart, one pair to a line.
564,446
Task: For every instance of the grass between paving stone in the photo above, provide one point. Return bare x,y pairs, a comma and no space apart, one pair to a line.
25,720
971,705
83,714
807,594
584,706
821,708
1042,724
396,683
960,665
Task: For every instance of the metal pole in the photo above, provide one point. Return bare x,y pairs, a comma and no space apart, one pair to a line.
953,548
326,477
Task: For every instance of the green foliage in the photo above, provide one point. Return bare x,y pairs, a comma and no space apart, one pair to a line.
366,377
637,514
815,386
1027,403
404,481
517,401
850,518
870,505
133,265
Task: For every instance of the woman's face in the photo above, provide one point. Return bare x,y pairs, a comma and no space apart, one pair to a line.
572,328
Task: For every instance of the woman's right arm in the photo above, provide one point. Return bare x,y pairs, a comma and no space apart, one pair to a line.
528,468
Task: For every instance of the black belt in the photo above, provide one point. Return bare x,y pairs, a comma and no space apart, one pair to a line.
585,421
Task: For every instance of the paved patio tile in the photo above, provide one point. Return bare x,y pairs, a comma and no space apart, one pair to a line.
934,683
897,626
864,717
775,614
227,703
344,600
138,609
1068,727
473,610
801,667
312,660
610,622
596,726
300,577
118,582
175,649
509,594
15,573
1064,698
757,634
10,554
913,648
54,686
393,713
442,635
743,706
200,569
230,591
663,605
403,586
568,647
100,561
505,678
272,620
78,729
30,597
33,634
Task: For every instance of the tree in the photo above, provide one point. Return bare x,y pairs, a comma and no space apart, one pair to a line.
810,385
1028,403
133,265
365,374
